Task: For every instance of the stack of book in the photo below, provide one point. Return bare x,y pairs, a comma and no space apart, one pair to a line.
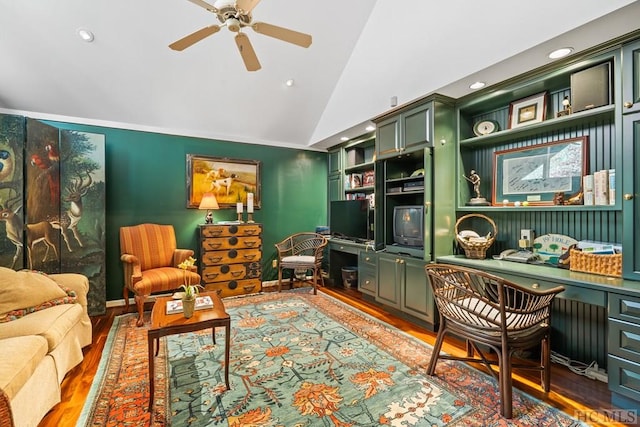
202,303
600,188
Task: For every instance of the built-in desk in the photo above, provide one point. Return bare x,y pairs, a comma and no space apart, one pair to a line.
595,318
344,253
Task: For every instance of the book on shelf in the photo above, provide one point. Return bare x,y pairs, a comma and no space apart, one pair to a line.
612,186
202,303
601,187
368,179
356,180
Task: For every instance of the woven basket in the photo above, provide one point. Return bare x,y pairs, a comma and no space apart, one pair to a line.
606,265
475,249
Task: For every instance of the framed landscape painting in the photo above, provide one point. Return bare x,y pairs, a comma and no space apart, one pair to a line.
230,180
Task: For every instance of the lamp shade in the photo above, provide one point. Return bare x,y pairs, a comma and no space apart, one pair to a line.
208,201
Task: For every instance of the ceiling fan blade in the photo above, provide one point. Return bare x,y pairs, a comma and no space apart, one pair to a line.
204,4
246,5
193,38
246,51
284,34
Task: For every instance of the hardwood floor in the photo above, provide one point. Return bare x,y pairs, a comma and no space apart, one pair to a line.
570,392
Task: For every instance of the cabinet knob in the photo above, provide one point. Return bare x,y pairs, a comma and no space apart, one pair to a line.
628,104
367,282
628,196
535,286
367,259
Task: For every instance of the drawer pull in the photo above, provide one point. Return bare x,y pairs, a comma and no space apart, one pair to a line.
251,244
237,273
213,233
213,245
211,275
249,256
248,288
535,285
212,259
250,231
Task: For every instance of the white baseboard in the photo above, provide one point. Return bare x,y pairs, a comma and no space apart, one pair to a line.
120,302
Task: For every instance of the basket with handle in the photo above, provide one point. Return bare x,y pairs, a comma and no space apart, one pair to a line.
476,247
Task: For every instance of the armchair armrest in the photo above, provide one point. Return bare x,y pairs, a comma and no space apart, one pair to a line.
132,270
179,255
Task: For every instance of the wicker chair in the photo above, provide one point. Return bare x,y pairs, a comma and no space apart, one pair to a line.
488,310
150,259
300,253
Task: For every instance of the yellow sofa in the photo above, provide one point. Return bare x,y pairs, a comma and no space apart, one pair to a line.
43,327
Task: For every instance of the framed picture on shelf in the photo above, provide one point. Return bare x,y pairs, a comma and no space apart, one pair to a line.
230,180
534,174
527,111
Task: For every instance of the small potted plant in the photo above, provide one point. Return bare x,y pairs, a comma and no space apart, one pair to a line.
190,291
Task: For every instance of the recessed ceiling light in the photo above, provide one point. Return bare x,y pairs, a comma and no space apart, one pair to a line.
370,128
560,53
344,138
85,34
477,85
289,82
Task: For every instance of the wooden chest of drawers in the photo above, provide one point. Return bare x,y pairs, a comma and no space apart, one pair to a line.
230,258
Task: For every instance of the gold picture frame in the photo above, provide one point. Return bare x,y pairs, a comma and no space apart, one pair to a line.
229,179
527,111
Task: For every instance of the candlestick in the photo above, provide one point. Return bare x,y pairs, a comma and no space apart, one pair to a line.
250,202
239,207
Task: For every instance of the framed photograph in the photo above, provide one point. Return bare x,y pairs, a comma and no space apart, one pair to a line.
230,180
535,173
528,110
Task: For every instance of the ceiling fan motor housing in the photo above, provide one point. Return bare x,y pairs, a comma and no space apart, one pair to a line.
227,9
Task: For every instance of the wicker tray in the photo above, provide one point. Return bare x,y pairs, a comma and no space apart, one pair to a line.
476,249
606,265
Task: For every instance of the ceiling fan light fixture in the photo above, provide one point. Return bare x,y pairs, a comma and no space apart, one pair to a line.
477,85
233,25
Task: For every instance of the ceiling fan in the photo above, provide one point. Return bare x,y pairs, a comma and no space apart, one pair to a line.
236,15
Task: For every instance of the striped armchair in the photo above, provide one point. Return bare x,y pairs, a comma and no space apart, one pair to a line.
150,259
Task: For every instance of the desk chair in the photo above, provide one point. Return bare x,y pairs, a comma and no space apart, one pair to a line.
300,253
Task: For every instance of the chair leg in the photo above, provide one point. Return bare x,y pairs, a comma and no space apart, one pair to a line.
279,279
505,383
315,281
436,349
140,304
125,294
545,361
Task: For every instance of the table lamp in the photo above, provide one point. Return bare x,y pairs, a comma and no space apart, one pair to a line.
208,202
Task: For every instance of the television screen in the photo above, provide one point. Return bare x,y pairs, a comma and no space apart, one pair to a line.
349,219
408,225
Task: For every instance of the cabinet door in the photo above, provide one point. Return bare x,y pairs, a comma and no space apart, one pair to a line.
416,127
631,77
335,165
631,196
335,187
389,277
388,137
417,297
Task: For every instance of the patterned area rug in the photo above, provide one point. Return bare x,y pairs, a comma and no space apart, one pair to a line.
297,360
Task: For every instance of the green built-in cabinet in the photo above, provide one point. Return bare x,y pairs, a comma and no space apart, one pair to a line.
585,329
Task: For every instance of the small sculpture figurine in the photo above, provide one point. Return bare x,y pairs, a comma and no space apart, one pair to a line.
474,179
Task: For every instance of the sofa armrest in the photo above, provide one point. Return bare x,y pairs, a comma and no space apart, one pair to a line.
76,282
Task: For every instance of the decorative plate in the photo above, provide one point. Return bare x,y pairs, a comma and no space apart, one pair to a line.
550,247
484,127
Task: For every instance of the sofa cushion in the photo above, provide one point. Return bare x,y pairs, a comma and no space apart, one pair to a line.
53,324
20,356
24,292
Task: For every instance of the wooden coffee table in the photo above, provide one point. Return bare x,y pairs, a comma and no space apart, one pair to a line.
163,324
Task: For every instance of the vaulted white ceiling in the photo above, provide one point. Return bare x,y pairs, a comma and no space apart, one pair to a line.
363,53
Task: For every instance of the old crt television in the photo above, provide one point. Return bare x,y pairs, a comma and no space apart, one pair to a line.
408,226
349,219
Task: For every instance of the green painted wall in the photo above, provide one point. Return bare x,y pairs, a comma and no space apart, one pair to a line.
146,182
